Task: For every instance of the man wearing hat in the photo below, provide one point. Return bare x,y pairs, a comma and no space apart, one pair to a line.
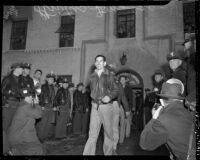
62,101
47,122
25,80
176,64
22,135
171,123
10,96
158,79
79,104
190,50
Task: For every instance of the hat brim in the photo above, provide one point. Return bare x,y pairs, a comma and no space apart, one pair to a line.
27,67
180,58
172,97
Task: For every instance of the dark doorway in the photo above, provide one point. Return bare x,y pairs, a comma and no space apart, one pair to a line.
137,85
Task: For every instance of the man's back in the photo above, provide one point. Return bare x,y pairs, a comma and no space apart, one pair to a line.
178,122
173,127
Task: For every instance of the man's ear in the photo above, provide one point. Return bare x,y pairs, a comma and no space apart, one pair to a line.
104,64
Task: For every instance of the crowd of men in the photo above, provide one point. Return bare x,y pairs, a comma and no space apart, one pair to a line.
108,101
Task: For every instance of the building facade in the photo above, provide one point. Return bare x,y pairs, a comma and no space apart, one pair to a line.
67,46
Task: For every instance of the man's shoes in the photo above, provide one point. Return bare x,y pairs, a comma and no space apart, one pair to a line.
114,153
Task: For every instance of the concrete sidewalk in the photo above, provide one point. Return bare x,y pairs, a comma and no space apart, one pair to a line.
74,145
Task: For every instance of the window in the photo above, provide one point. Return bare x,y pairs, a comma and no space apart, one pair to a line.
68,77
126,23
189,17
18,35
66,31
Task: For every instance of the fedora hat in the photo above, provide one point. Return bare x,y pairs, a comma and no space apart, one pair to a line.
172,88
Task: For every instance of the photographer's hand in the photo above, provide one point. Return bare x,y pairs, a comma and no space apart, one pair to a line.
156,112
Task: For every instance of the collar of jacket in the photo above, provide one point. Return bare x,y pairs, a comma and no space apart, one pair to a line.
175,104
106,72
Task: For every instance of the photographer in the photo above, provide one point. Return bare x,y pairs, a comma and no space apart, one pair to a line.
171,124
22,136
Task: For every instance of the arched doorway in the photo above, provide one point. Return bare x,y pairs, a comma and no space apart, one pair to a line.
137,85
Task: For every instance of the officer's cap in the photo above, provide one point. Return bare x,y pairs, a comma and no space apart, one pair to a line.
79,84
177,54
16,65
51,75
159,71
189,37
65,80
27,65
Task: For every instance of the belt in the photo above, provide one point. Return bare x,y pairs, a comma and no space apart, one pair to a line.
100,102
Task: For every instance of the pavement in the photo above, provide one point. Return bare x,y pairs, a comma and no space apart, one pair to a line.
74,145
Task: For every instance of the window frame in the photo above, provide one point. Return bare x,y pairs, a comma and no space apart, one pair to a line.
14,34
125,22
62,24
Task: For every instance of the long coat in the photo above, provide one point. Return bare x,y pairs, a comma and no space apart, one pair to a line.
173,126
63,101
10,90
45,125
22,134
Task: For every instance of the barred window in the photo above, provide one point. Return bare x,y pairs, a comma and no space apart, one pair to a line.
66,31
189,17
18,35
126,23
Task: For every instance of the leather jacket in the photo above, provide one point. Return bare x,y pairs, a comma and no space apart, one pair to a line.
62,97
102,86
10,87
47,95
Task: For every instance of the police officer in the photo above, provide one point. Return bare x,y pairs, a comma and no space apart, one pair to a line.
10,97
25,80
45,126
190,50
11,93
176,64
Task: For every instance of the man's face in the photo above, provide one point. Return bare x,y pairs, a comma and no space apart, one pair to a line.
26,71
80,88
188,45
60,84
175,63
19,70
50,80
65,85
123,80
38,75
158,77
100,63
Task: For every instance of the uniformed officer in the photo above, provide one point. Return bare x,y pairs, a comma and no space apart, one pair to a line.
176,64
190,50
11,94
10,97
45,126
25,80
